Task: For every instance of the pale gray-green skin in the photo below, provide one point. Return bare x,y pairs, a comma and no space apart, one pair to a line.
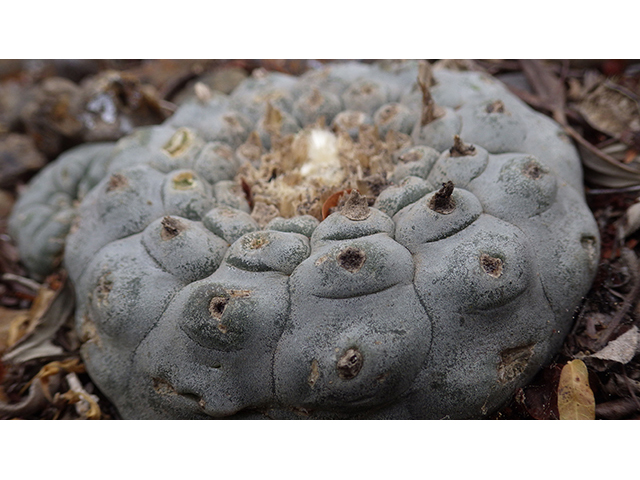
217,318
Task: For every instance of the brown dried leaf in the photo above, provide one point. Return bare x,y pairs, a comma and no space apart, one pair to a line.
457,65
112,103
601,168
53,368
575,398
50,116
631,220
9,317
540,400
168,75
25,324
622,349
608,109
6,204
18,156
332,202
48,313
628,257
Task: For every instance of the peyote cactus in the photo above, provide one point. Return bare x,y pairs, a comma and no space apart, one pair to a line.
219,273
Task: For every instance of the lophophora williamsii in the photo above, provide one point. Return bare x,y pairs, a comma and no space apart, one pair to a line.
364,241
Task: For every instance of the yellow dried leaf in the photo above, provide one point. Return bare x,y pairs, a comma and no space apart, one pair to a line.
575,398
9,318
26,322
18,327
52,368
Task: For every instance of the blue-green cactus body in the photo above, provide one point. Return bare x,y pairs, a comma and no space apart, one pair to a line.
436,299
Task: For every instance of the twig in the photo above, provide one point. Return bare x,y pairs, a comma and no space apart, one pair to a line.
612,191
25,282
615,294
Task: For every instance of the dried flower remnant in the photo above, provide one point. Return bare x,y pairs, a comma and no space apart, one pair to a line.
356,207
442,202
430,110
117,181
350,364
461,149
492,265
171,227
496,107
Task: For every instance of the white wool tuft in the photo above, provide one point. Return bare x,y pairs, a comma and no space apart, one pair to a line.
322,156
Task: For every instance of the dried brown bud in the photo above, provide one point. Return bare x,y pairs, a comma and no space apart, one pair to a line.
442,202
356,207
461,149
350,364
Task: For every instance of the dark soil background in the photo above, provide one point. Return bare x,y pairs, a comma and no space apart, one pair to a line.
49,106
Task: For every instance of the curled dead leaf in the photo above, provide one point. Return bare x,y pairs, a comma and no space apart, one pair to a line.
86,404
38,397
575,398
51,309
631,220
609,108
332,202
246,188
8,318
601,168
53,368
25,324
